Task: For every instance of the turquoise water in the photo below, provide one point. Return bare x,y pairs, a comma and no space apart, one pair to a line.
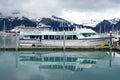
8,41
56,65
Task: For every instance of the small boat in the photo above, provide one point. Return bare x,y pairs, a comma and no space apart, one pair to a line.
3,34
116,38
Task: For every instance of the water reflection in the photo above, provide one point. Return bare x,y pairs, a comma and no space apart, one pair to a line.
74,61
110,57
54,65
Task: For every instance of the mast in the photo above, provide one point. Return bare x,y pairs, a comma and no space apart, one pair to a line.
100,29
4,34
4,26
10,25
113,28
104,28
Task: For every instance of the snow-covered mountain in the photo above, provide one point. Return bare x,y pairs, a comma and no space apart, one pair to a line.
114,21
108,25
54,21
91,23
13,21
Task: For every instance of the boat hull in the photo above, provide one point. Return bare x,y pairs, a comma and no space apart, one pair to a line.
75,43
67,43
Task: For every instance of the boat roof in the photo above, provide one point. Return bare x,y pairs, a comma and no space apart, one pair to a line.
86,30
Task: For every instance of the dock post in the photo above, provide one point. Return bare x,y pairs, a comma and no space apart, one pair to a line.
64,43
16,41
110,55
4,41
16,48
110,40
64,58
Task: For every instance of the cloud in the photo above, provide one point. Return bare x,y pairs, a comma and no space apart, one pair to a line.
41,7
30,7
89,5
80,8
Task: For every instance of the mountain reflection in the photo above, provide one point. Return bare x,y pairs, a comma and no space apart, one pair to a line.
58,60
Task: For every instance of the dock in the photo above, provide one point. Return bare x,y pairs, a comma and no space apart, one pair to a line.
56,48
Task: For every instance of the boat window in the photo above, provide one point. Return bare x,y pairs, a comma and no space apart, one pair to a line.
40,37
70,29
93,33
84,34
26,36
57,37
55,29
37,36
51,37
115,37
32,36
87,34
46,37
69,37
62,37
74,37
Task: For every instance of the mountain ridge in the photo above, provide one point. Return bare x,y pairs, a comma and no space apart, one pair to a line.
99,26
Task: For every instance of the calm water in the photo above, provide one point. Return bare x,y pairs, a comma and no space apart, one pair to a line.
56,65
8,41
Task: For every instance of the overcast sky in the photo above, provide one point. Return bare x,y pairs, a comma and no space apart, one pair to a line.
73,10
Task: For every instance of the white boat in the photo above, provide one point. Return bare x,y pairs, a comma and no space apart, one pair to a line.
116,38
2,33
6,34
73,36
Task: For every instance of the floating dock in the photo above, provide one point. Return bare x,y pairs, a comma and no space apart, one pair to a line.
56,48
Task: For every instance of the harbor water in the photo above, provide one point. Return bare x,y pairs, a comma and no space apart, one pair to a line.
9,41
58,64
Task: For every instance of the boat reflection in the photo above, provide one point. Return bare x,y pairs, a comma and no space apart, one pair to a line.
57,60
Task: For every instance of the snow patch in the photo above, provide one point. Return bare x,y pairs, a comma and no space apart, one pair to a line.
114,21
91,23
